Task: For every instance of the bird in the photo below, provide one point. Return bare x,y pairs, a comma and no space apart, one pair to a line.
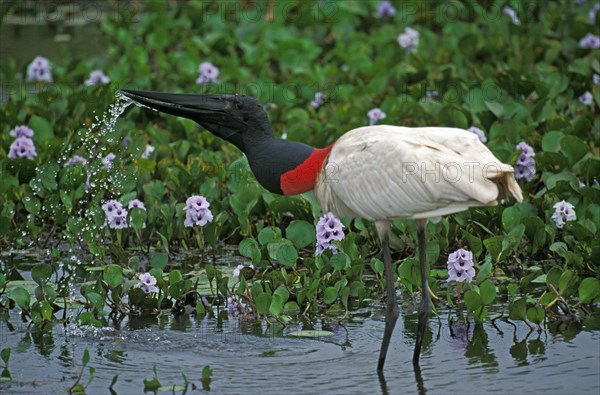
379,173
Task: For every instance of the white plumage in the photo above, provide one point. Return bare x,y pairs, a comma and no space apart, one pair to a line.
390,172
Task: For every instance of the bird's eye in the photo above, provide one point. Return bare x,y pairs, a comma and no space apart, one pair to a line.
245,119
238,105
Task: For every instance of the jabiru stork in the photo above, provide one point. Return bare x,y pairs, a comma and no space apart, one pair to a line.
378,173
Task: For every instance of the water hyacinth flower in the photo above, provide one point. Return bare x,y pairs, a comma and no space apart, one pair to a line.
136,203
525,165
409,40
592,14
149,150
21,131
238,270
479,133
375,115
147,283
74,160
385,8
430,95
587,98
116,215
107,161
460,266
208,73
590,41
512,14
197,211
97,77
22,147
563,212
329,229
596,79
318,100
39,70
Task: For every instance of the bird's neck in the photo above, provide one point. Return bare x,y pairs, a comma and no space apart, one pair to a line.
285,167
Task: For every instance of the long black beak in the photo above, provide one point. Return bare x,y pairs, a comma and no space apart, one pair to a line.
215,112
197,107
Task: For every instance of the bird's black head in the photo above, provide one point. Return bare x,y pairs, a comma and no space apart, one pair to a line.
241,120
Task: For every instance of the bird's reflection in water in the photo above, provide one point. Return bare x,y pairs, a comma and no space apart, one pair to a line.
421,390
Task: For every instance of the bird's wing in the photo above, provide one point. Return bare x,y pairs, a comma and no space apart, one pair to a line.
386,172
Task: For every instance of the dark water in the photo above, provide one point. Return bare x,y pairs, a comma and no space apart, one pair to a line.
250,357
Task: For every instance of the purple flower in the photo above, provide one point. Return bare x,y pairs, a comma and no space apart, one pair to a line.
512,14
208,73
385,8
525,165
596,79
107,161
430,95
197,211
318,100
592,13
147,283
97,77
479,133
39,70
116,215
149,150
590,41
74,160
329,229
136,203
375,115
238,270
21,131
22,147
409,40
563,212
587,98
460,266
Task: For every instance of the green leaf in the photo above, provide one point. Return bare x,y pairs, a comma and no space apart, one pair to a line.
301,233
46,310
276,305
32,204
567,282
340,261
485,270
283,251
159,260
41,273
263,302
113,275
589,290
175,276
574,149
487,290
518,309
250,249
473,300
511,217
494,246
268,235
86,357
536,314
41,127
21,298
551,141
330,295
5,356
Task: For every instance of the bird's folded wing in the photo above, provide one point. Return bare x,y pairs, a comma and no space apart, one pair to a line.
390,172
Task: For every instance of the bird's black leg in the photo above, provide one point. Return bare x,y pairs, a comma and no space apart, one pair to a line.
425,307
391,312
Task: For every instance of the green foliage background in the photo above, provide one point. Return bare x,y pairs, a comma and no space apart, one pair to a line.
516,82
